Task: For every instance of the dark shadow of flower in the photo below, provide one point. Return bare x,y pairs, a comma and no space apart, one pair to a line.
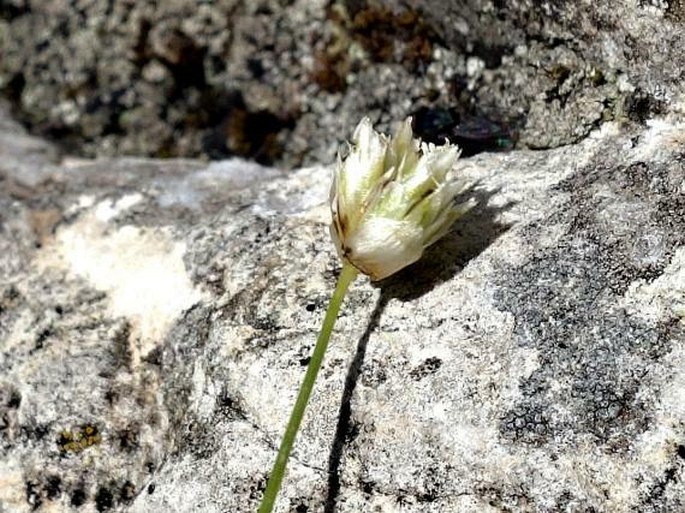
469,237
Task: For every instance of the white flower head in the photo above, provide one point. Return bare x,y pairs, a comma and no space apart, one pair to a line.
391,198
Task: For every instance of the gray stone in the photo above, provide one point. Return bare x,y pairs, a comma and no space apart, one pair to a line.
21,153
156,318
281,81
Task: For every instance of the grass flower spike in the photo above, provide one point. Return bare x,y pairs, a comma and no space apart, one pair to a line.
391,198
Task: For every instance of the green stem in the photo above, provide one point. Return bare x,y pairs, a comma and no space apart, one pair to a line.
347,276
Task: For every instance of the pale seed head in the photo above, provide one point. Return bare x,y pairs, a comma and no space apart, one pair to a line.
391,198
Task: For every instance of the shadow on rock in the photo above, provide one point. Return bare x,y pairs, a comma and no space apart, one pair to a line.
471,235
345,410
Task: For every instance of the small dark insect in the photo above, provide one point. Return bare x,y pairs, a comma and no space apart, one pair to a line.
473,134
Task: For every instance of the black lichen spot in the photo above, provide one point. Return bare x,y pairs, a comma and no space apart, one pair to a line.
559,74
353,430
563,500
258,488
33,495
304,355
374,374
596,77
48,488
426,497
151,488
14,400
302,508
368,487
10,400
199,439
658,489
432,487
655,499
128,439
8,299
640,106
410,497
266,323
681,451
53,487
78,497
127,492
230,407
526,423
426,368
636,175
42,337
154,357
104,500
606,406
211,277
111,396
36,432
310,307
504,499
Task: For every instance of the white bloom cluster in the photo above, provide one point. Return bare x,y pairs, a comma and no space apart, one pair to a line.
391,198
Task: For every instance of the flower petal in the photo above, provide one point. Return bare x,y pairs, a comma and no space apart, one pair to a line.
382,246
391,199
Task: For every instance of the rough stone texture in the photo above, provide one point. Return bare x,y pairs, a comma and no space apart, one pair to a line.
281,81
156,318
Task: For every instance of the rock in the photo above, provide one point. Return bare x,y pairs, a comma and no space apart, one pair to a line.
156,318
280,82
21,153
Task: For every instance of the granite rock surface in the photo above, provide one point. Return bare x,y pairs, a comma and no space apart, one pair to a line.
156,318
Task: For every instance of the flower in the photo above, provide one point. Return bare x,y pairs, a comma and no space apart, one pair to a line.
391,198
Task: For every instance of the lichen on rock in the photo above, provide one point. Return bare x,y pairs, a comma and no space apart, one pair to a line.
156,317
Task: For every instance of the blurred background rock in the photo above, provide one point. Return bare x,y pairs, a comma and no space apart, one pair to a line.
282,81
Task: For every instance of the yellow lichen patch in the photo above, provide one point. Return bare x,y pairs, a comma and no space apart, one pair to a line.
79,439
